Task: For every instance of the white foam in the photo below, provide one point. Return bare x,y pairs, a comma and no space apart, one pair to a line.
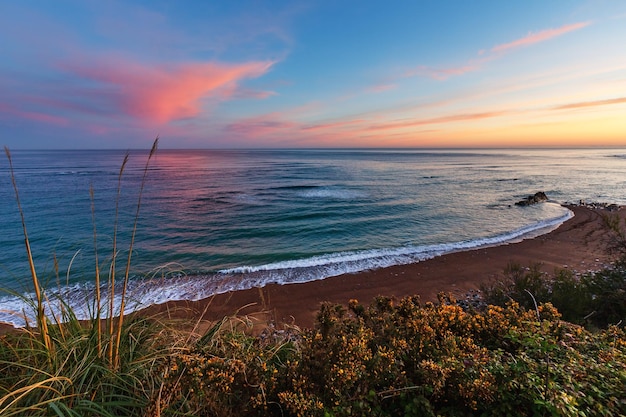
384,256
331,193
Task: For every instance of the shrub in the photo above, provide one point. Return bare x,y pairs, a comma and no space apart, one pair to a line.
606,291
227,372
594,299
397,358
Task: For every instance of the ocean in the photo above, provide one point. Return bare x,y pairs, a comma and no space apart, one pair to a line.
212,221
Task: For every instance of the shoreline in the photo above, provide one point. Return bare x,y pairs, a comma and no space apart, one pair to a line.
579,244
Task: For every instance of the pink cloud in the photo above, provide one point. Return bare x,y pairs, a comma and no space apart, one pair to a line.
619,100
486,56
436,120
34,116
443,73
161,94
253,94
335,125
267,124
541,36
98,130
278,128
382,88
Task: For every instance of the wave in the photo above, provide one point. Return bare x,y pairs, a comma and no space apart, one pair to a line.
146,292
332,193
321,192
376,258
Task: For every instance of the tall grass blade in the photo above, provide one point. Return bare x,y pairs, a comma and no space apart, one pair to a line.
11,399
130,252
42,323
111,284
98,306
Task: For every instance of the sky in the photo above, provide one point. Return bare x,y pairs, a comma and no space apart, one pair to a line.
82,74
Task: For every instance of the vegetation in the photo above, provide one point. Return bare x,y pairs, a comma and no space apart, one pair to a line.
593,299
515,357
391,358
61,366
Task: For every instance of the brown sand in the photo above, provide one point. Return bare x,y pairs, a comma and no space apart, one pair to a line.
580,244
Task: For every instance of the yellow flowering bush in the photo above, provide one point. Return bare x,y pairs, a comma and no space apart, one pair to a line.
402,358
389,358
226,373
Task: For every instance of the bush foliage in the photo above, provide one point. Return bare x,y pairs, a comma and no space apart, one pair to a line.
594,299
391,358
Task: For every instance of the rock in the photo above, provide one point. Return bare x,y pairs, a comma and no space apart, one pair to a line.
539,197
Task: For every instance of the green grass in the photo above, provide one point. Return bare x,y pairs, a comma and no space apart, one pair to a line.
62,366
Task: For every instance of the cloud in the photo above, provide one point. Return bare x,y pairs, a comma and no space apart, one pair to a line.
380,88
541,36
437,120
245,93
33,116
333,125
619,100
264,125
161,94
278,128
444,73
486,56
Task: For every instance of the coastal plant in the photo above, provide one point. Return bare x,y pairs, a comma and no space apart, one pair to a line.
102,365
616,227
595,299
41,320
515,284
390,358
120,319
397,358
606,290
75,377
226,372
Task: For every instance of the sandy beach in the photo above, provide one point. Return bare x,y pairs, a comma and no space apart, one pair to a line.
580,244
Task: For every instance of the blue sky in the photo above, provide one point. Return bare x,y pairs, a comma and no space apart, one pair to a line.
237,74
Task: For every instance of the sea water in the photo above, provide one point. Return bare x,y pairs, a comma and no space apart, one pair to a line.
212,221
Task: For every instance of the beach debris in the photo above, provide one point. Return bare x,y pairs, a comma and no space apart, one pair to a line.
274,335
472,301
538,197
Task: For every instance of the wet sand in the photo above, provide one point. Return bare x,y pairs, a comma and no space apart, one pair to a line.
580,244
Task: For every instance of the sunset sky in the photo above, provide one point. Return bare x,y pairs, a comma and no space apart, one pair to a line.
238,74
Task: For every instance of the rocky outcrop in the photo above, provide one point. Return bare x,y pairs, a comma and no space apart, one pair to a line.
595,205
533,199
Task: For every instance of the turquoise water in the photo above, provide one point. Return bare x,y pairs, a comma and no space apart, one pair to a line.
213,221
